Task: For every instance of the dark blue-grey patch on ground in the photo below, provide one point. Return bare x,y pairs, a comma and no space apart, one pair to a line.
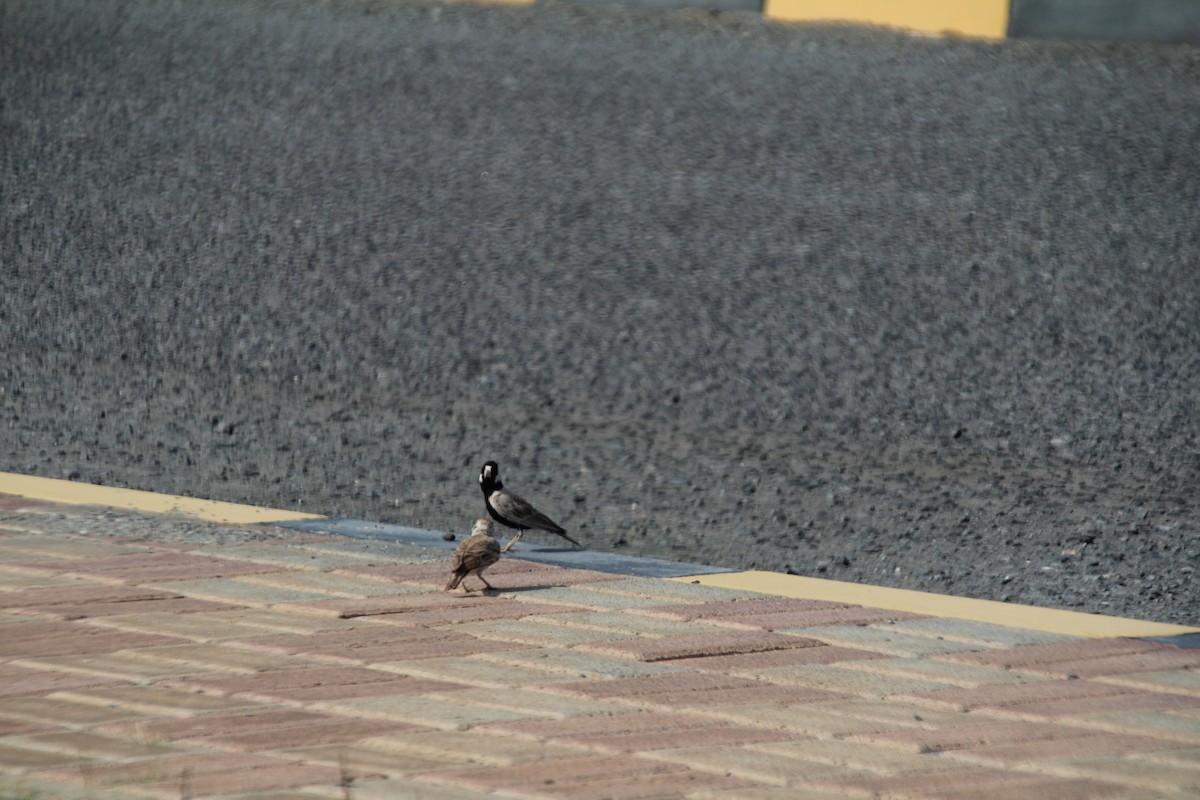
634,566
1124,20
751,6
1190,641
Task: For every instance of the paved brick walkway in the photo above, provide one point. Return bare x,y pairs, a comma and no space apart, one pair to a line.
152,657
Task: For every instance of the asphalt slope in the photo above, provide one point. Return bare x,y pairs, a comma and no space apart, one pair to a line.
871,307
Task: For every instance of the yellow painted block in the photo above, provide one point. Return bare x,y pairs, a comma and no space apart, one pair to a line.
88,494
983,18
1012,615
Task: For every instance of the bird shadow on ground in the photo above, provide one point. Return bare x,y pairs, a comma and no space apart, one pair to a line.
499,591
541,549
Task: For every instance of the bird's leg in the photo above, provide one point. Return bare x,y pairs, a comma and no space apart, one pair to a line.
511,542
485,583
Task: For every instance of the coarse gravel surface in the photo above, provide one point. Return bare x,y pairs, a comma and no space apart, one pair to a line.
916,312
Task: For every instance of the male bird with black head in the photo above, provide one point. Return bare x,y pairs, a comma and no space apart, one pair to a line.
512,511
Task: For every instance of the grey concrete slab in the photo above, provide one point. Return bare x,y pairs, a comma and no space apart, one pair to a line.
634,566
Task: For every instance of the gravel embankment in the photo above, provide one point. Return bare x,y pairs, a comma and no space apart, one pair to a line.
910,311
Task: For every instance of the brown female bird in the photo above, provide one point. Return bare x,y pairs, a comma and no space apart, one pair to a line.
476,553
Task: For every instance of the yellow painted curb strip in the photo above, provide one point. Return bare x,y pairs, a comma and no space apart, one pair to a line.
984,18
1049,620
89,494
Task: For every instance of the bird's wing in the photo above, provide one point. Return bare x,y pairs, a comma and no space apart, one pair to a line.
477,552
520,511
457,560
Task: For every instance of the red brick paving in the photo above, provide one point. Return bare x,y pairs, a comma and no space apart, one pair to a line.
644,787
733,608
1098,744
205,774
54,638
265,778
12,502
374,644
1014,694
140,568
263,713
772,659
503,610
589,778
1080,706
695,692
708,735
1149,661
508,574
1047,789
978,784
315,684
396,605
267,730
820,617
79,595
16,681
16,727
630,723
426,609
561,771
655,684
764,694
73,611
972,734
1052,652
664,648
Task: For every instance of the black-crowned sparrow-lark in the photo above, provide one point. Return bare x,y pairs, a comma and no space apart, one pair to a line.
512,511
